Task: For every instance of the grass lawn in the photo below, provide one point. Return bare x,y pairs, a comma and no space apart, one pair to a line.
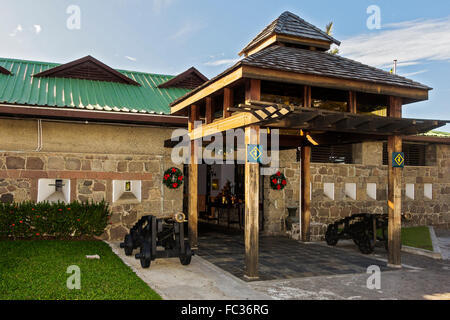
418,237
37,270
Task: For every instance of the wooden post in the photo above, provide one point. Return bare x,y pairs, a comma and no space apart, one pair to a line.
251,208
252,92
307,97
193,184
351,107
209,111
306,193
252,89
394,203
227,101
394,190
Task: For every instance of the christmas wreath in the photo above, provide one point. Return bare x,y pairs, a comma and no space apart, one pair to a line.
173,178
278,181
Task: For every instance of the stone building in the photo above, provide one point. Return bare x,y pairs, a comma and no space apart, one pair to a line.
94,128
102,134
342,189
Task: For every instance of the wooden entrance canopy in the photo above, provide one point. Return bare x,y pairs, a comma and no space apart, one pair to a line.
288,63
273,115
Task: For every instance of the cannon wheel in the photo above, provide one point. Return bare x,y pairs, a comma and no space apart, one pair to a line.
145,255
331,235
185,259
366,244
128,245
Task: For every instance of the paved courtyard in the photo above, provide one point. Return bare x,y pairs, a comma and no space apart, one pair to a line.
282,258
292,270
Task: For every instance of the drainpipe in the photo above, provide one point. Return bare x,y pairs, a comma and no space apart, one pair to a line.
39,136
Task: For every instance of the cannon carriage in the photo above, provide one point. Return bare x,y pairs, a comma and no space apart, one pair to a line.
364,229
150,234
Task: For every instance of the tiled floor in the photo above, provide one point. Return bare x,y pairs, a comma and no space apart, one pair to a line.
282,258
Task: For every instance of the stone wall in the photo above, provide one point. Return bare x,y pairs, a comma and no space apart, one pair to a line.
92,173
423,211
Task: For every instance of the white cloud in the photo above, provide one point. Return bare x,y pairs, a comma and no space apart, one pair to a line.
130,58
37,28
413,73
410,42
16,30
222,62
183,31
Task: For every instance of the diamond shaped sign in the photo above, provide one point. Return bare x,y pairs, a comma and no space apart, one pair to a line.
254,153
398,160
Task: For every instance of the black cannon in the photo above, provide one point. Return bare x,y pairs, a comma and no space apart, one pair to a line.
150,232
364,229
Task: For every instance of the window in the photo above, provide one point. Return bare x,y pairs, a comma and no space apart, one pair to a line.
332,154
414,154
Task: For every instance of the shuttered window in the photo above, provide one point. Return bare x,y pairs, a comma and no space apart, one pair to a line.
414,154
331,154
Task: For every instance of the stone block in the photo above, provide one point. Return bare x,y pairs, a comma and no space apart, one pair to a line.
56,163
73,164
15,163
35,163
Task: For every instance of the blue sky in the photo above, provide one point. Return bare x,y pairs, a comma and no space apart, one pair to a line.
169,36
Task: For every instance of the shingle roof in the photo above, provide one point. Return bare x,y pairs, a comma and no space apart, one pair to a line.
323,64
314,63
23,89
291,25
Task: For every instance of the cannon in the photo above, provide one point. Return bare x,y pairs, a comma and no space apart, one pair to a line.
362,228
150,234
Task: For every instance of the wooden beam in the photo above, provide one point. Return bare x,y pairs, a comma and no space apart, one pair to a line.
209,111
193,116
251,208
193,183
259,46
213,87
351,106
394,204
395,107
307,101
305,193
334,83
237,120
281,39
252,90
227,101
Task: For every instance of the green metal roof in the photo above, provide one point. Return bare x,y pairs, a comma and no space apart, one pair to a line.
23,89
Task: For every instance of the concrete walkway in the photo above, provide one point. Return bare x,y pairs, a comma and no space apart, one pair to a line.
201,280
443,239
420,278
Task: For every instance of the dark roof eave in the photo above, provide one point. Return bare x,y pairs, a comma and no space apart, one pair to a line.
219,76
50,72
242,63
182,75
423,87
46,112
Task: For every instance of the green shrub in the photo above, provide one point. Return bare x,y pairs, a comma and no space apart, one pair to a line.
59,220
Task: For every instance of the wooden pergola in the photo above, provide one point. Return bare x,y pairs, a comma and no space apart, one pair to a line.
233,100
